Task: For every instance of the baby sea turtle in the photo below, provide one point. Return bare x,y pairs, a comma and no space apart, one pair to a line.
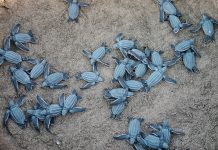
163,130
116,93
134,130
122,67
156,77
20,39
69,103
90,77
74,8
133,85
38,69
207,24
140,70
53,80
15,113
18,75
183,46
189,61
117,109
139,55
167,8
123,45
176,24
97,55
153,142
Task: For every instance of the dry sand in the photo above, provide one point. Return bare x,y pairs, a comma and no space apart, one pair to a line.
190,105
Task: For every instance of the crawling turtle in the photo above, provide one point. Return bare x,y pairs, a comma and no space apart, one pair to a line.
53,80
69,103
74,8
18,75
116,93
156,77
53,110
117,109
97,55
183,46
122,67
14,112
167,8
207,24
134,130
20,39
163,130
153,142
139,55
90,77
189,61
133,85
123,45
176,24
38,69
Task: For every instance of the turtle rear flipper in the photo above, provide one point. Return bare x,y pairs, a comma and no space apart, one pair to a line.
21,46
121,137
33,40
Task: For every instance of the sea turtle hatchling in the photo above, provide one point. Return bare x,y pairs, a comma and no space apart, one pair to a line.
97,55
15,113
123,45
70,102
163,130
53,80
117,109
20,39
116,93
156,77
18,75
176,24
167,8
90,77
38,69
140,70
139,55
183,46
207,24
134,130
74,8
153,142
189,61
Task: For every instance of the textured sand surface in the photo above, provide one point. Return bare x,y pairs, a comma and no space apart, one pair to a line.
190,105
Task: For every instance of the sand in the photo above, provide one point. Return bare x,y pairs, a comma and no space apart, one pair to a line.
190,105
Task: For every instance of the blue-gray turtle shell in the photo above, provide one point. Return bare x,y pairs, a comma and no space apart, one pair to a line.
155,77
119,93
125,44
116,110
73,11
22,38
119,71
189,60
154,142
17,115
90,76
70,101
52,110
37,71
169,8
174,22
99,53
134,85
184,45
134,129
208,27
12,57
54,78
156,59
140,70
22,76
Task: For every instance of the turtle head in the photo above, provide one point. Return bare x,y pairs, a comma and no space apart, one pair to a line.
204,16
12,69
115,46
165,124
165,145
176,30
44,84
132,140
64,112
100,79
92,61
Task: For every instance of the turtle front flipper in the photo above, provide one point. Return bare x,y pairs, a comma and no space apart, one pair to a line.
121,137
15,29
21,46
161,13
196,28
87,85
77,109
15,84
169,80
5,121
